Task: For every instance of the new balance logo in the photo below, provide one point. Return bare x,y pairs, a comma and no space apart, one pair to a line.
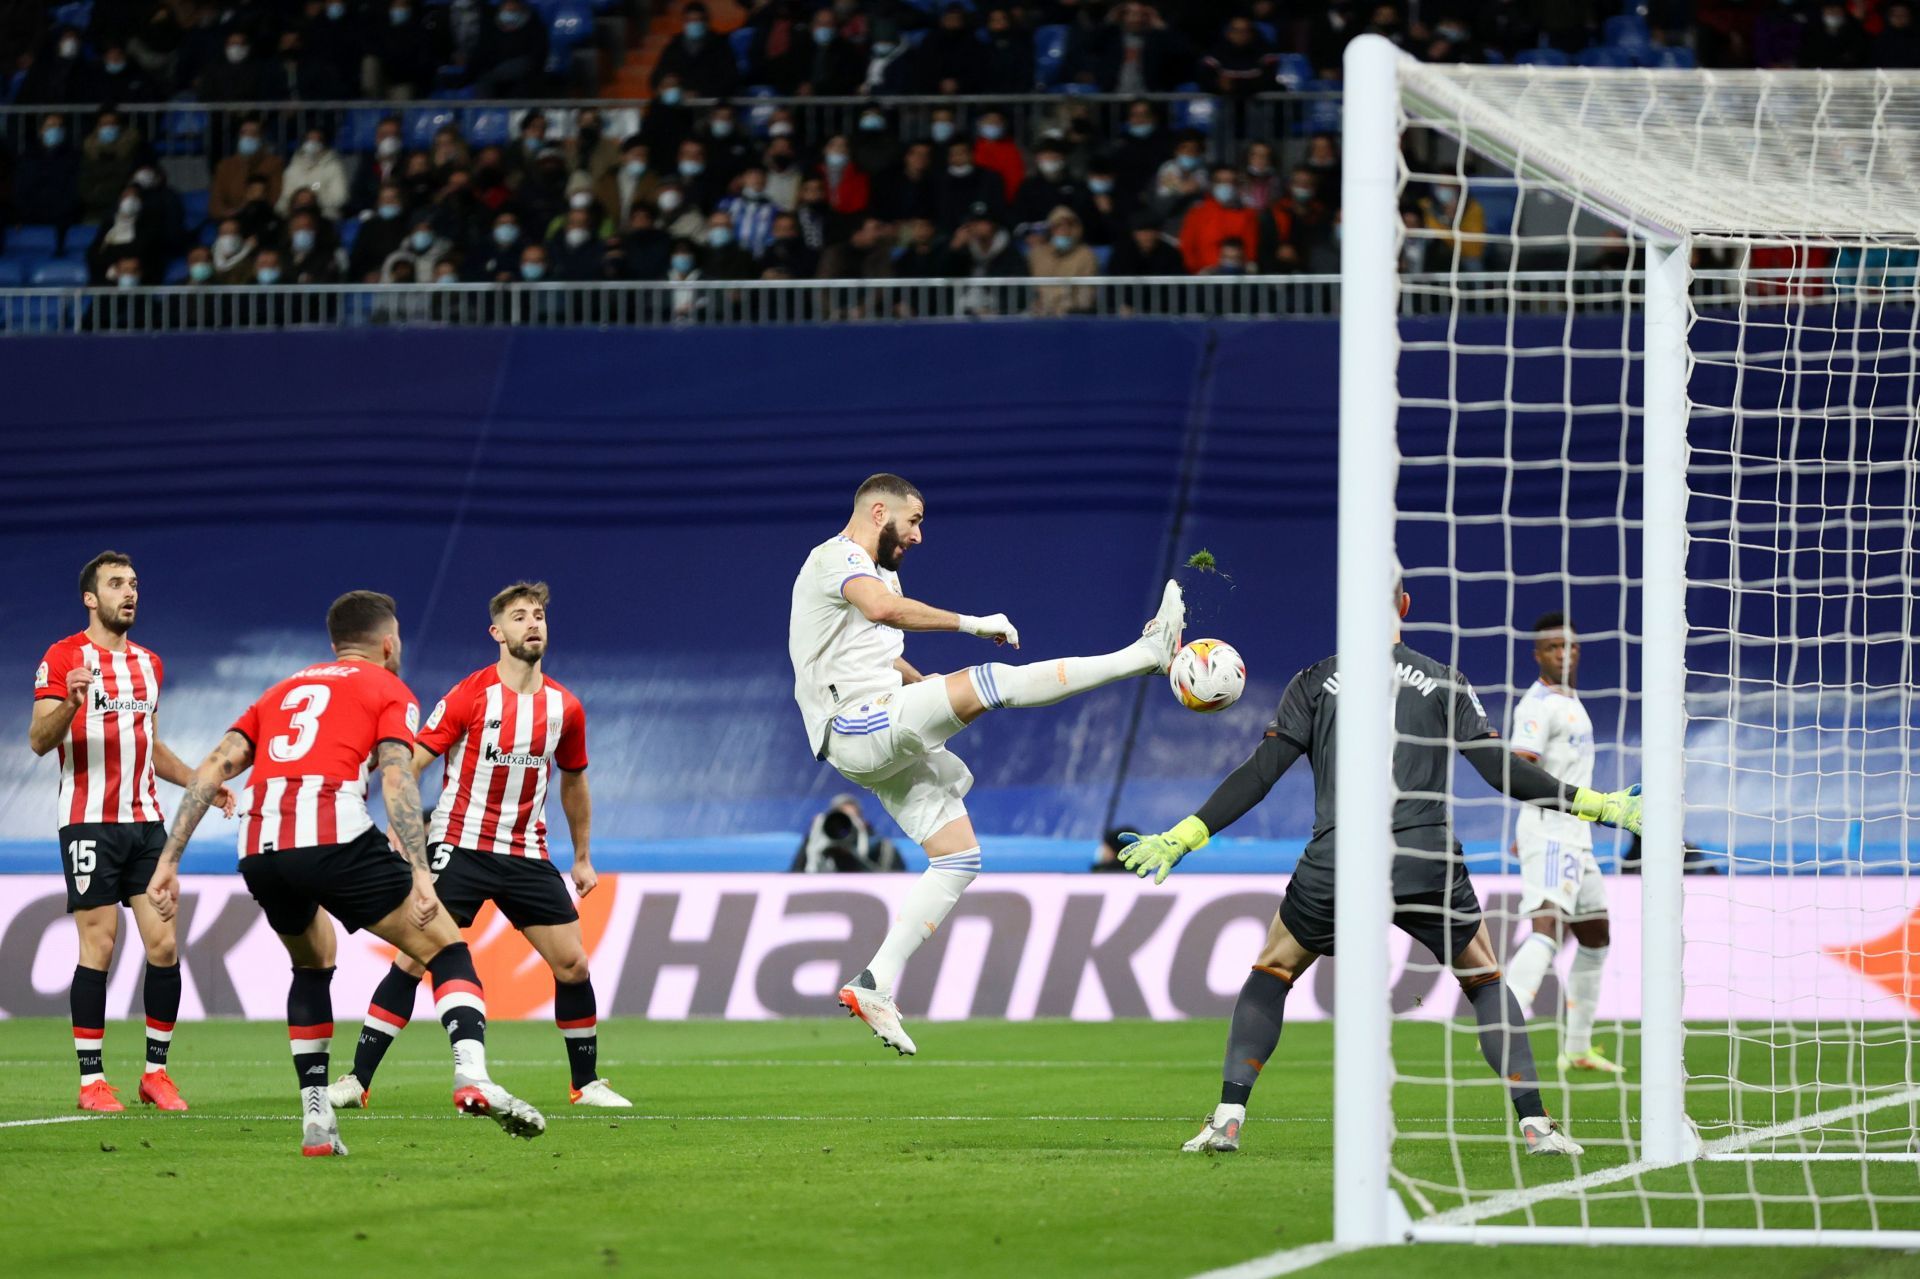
493,723
317,1070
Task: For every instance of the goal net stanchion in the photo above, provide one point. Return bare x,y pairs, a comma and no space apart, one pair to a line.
1708,459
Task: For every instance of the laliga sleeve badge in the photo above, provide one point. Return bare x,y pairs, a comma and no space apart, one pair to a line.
439,711
413,717
40,676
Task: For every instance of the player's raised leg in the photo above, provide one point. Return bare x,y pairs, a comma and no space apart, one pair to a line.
998,685
388,1013
160,992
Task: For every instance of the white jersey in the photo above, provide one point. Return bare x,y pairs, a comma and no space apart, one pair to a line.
838,655
1553,725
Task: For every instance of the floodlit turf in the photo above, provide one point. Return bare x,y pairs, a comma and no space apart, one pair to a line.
796,1149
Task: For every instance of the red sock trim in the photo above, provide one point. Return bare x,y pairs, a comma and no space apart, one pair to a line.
456,986
158,1025
581,1023
89,1032
322,1031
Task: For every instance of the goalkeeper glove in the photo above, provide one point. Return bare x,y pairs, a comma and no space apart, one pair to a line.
1157,855
1616,808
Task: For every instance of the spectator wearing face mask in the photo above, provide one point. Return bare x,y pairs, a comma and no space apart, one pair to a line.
965,185
1232,260
1299,227
820,62
751,211
200,266
725,146
239,76
994,152
400,59
683,267
106,158
1137,157
1135,51
512,58
232,255
784,174
1061,251
1835,41
1460,225
162,205
577,252
629,181
421,248
848,189
382,231
1260,183
500,259
679,217
453,33
1182,180
943,128
1048,187
384,165
251,158
876,141
311,251
316,167
697,182
580,199
543,196
527,148
334,36
1221,215
698,58
46,184
1107,219
258,220
666,122
813,215
123,80
724,258
125,234
59,74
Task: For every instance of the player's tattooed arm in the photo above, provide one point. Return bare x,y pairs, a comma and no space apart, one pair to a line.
169,767
206,787
405,821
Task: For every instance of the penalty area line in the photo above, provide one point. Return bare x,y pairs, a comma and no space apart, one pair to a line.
56,1119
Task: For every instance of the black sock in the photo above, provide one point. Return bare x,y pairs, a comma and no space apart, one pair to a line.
462,1007
574,1012
161,996
1253,1034
1504,1043
88,1000
387,1015
310,1024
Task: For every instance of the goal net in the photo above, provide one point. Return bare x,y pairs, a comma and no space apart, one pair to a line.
1639,348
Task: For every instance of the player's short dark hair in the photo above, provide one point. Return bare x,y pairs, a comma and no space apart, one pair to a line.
885,484
90,575
508,596
359,615
1554,621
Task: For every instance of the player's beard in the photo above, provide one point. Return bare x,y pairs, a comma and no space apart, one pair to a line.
118,621
891,549
528,653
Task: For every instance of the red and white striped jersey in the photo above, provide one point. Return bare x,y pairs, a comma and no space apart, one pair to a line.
499,745
313,737
106,762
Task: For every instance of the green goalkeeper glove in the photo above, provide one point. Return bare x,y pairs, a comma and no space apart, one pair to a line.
1157,855
1616,808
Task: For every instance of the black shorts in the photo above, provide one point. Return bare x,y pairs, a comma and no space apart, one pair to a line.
359,883
109,863
1443,921
530,891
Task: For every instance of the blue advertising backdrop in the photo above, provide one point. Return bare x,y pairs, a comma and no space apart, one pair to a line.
668,484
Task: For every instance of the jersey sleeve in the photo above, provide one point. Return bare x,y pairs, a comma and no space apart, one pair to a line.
1532,727
398,719
571,754
448,721
1293,721
50,680
849,562
1470,722
248,725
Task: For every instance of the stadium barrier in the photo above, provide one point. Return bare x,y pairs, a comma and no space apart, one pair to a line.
194,309
1018,946
197,129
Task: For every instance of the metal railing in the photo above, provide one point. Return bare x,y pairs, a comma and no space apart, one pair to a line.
201,308
185,129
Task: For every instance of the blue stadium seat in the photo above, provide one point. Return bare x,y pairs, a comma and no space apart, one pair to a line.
182,132
1295,71
357,130
1497,203
193,205
349,231
1101,254
1072,87
489,127
741,42
60,275
1050,54
1493,57
1676,58
1268,32
1540,58
572,26
421,123
1601,55
1628,31
1196,113
453,93
11,274
176,272
78,14
32,240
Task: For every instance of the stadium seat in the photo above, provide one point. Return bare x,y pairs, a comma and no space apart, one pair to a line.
741,42
1049,54
78,14
1072,87
452,93
1101,254
182,132
357,130
1541,58
349,231
1295,71
421,123
1497,202
1268,32
193,205
60,275
1628,31
1601,55
176,272
1676,58
1196,113
488,127
35,239
572,25
11,274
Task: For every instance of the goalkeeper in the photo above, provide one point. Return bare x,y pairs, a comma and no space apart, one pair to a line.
1436,713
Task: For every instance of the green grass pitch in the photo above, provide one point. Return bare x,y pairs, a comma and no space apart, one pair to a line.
795,1149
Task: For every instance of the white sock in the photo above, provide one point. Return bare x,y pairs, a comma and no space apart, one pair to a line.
927,905
1529,967
1044,683
1583,996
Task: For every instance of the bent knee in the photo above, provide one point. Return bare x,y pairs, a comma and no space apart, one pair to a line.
570,970
1474,979
164,953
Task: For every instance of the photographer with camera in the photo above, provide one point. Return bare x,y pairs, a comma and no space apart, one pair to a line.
840,840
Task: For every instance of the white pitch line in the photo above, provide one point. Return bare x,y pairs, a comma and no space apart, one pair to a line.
1282,1263
703,1063
41,1123
591,1115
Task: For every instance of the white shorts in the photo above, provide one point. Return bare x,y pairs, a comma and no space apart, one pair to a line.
1567,879
894,745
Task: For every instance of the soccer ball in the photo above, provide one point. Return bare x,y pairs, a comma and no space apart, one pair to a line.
1207,675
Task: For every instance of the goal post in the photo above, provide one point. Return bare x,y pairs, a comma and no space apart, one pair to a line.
1644,348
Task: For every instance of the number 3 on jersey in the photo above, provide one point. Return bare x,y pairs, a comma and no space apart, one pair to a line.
307,702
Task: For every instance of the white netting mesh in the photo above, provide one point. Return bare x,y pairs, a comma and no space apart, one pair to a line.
1520,491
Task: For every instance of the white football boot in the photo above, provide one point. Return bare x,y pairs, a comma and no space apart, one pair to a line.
486,1098
1545,1138
319,1130
1222,1131
861,1000
346,1093
1161,636
600,1093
